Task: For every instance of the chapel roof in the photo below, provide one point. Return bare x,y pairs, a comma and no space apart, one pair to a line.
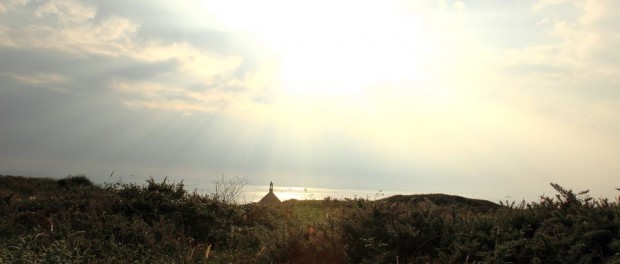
270,198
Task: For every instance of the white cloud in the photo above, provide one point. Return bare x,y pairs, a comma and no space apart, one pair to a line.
172,98
108,38
568,83
203,66
75,31
583,46
40,78
48,81
66,11
8,5
457,115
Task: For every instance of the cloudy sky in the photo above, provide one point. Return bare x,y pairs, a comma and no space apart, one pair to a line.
490,99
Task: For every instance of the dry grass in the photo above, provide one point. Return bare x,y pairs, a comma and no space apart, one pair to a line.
161,222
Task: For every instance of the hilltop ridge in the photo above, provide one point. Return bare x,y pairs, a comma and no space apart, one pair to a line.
441,199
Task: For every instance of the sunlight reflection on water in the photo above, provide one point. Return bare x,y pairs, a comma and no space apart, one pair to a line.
253,193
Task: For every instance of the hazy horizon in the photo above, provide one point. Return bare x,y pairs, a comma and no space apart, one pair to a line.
254,192
493,99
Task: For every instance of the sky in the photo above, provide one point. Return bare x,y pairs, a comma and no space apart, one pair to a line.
485,99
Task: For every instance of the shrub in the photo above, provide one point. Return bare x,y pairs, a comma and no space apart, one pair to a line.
161,222
74,181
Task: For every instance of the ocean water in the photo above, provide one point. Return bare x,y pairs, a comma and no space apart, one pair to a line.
253,193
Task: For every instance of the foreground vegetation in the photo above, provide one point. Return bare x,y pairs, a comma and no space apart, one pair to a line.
74,221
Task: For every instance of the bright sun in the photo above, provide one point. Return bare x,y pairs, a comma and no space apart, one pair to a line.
362,69
335,49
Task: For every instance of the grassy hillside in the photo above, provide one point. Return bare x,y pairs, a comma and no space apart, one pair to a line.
445,200
72,220
26,186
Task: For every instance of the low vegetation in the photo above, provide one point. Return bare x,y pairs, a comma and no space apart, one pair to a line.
75,221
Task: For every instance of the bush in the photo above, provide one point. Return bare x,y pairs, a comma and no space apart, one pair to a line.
161,222
74,181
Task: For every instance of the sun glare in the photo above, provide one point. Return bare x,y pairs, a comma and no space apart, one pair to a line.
335,49
371,71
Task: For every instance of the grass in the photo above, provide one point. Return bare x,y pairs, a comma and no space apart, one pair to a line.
72,220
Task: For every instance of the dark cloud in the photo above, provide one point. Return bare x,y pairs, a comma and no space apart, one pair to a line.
86,75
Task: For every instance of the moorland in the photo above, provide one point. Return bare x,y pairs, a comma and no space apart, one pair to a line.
72,220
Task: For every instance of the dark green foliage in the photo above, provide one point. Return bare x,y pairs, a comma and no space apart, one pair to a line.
445,200
160,222
26,185
74,181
